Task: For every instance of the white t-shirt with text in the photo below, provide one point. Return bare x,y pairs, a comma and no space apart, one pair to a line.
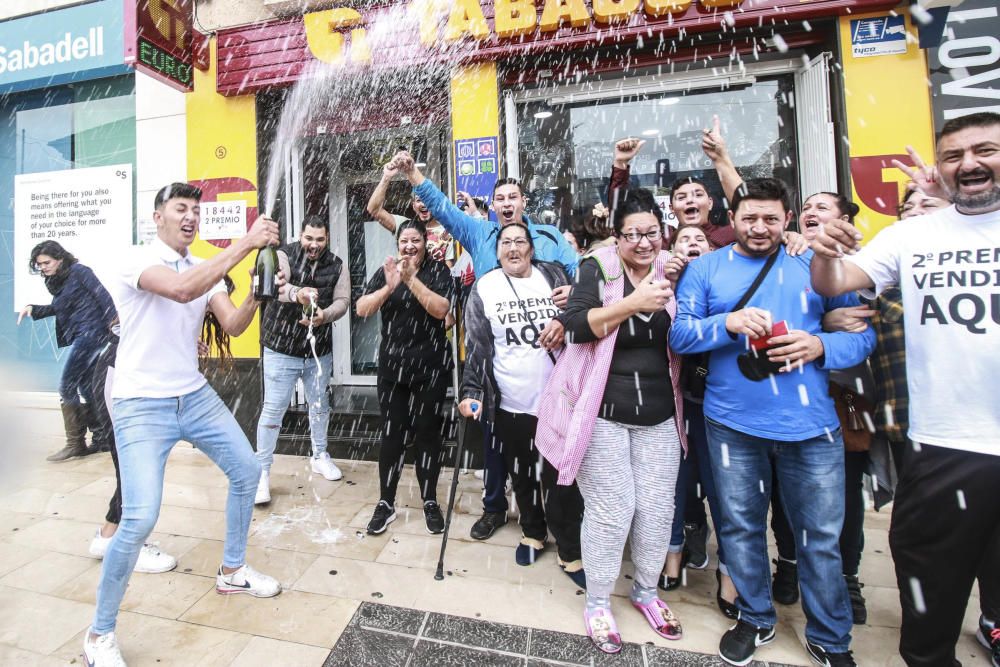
158,349
948,268
520,365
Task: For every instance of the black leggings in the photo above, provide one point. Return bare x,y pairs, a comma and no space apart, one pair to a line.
411,413
543,504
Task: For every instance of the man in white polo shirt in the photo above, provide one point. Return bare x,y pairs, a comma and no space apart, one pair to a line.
162,293
946,515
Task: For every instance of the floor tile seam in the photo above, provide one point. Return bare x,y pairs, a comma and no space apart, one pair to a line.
179,619
445,642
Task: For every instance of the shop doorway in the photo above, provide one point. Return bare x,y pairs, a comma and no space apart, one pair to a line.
334,176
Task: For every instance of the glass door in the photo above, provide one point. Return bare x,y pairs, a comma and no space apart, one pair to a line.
362,242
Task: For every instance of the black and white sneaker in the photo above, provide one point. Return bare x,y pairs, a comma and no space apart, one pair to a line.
246,580
988,635
383,515
823,657
433,518
740,641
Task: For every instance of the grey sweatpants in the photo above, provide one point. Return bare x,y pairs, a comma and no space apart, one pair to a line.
627,479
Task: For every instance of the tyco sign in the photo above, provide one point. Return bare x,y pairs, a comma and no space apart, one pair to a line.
878,36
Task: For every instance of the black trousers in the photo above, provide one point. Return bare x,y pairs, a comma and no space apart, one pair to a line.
945,529
411,414
102,428
544,505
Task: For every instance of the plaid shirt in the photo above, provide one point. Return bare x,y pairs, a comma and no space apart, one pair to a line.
888,364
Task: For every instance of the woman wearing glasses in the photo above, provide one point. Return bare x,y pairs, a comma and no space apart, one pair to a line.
512,334
621,307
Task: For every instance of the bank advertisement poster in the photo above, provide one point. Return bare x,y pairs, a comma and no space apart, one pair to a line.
87,211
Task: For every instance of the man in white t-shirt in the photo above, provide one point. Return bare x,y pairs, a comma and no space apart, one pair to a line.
946,515
162,294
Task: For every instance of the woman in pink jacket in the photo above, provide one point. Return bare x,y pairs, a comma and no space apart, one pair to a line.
610,418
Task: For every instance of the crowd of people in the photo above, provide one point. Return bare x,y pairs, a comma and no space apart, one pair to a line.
622,374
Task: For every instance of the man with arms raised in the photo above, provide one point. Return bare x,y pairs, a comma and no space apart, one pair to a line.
946,516
162,293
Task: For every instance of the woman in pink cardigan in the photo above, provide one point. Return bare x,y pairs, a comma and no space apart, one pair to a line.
611,412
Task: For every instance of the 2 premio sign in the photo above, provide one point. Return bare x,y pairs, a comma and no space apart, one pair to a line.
72,44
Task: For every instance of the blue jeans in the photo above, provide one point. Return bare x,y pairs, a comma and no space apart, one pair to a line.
78,372
811,483
146,430
696,468
280,374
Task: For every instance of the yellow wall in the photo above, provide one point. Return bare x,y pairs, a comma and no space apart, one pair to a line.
475,102
888,108
222,143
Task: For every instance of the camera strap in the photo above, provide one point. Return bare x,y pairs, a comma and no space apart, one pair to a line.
524,309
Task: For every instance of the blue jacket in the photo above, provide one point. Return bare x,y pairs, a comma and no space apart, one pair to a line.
479,237
82,307
796,405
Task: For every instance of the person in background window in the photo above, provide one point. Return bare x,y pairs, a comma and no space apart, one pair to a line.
84,312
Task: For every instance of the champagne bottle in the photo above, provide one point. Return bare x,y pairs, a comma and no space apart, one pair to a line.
265,282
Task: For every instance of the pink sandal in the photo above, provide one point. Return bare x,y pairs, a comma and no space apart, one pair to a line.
660,618
602,630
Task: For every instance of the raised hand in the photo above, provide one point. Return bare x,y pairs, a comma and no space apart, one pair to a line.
650,296
674,267
390,170
923,176
625,150
712,143
835,239
391,270
263,233
25,312
407,270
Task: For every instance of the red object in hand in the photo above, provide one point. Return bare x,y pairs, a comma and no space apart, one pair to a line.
777,329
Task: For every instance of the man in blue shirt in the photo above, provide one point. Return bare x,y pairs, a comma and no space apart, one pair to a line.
479,237
786,418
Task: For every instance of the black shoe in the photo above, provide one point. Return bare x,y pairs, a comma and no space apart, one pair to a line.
696,545
858,609
673,583
740,641
823,657
989,636
68,452
785,587
727,608
383,515
487,524
433,518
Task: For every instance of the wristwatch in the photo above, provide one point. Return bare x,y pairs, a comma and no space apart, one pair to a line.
293,294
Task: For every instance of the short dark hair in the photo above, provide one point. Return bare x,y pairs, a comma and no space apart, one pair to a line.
844,205
981,119
516,225
761,189
510,180
637,200
182,190
51,249
688,180
316,222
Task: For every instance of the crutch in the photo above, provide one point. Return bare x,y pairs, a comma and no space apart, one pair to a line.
459,448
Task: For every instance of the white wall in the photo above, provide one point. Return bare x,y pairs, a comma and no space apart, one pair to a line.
161,141
13,8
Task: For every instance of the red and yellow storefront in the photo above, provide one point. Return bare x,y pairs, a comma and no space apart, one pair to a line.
539,90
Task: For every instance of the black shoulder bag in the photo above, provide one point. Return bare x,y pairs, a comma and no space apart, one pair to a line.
694,372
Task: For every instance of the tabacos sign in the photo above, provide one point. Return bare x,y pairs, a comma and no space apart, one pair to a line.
72,44
339,34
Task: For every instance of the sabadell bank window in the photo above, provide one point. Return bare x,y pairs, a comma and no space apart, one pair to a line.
565,146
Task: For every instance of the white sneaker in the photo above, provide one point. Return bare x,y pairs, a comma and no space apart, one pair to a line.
263,488
479,474
325,466
102,652
151,559
99,545
247,580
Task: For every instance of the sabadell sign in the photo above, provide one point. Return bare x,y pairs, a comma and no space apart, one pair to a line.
73,44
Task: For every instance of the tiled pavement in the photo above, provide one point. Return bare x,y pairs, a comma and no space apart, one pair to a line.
338,581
